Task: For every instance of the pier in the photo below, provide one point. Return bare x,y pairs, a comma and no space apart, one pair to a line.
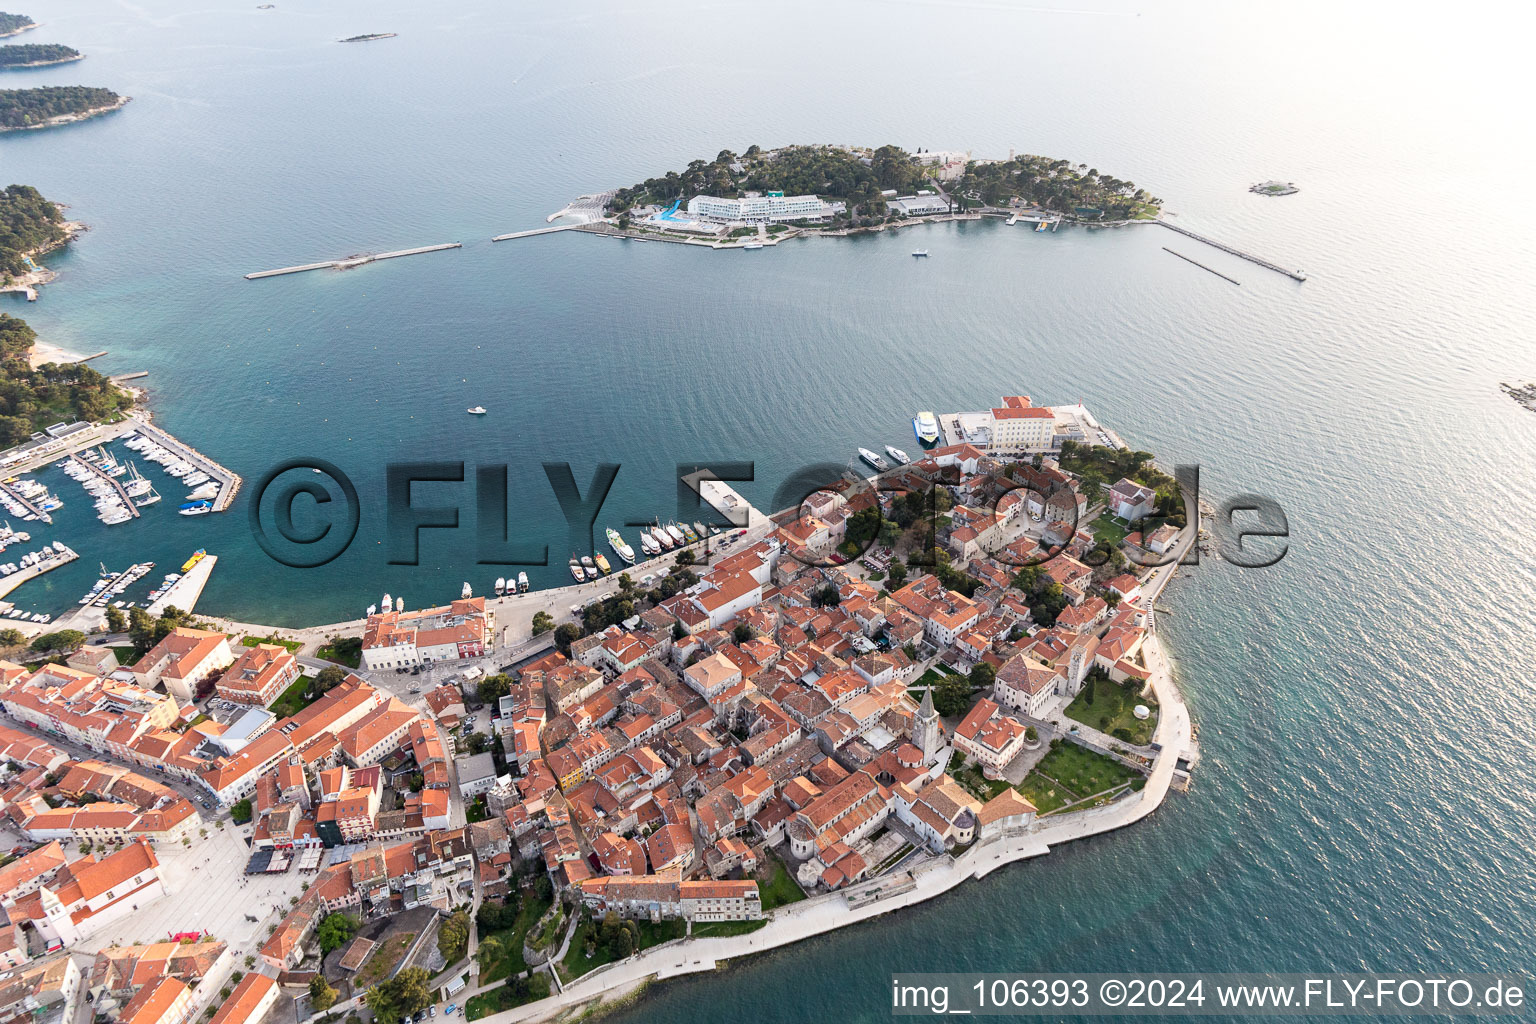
184,592
31,572
109,478
24,503
229,480
353,261
537,231
1202,266
1295,275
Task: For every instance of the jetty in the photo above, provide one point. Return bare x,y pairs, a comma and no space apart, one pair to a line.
538,231
109,478
1202,266
24,503
183,594
353,261
36,569
1295,275
229,480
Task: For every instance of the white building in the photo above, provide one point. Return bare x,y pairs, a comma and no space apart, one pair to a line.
770,208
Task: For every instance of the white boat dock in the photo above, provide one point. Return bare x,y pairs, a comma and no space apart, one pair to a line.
31,572
17,495
353,261
109,478
184,592
229,481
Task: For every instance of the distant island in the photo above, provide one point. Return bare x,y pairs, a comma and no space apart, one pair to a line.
1274,188
14,24
762,195
369,37
46,106
36,55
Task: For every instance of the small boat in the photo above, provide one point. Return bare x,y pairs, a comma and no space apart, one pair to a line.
648,543
147,499
919,252
203,493
386,604
465,593
602,563
623,550
874,459
1041,226
701,529
478,410
897,455
522,583
588,567
689,534
501,585
196,508
399,604
197,556
576,572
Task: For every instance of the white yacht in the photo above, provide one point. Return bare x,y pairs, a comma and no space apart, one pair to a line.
501,585
465,593
874,459
623,550
897,455
522,583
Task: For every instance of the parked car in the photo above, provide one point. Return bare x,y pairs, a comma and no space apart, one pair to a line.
451,1007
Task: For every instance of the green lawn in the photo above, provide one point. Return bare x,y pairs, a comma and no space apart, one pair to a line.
1107,706
292,645
511,962
718,929
347,651
1108,530
1070,773
577,963
981,787
507,997
294,699
933,676
381,962
126,655
780,889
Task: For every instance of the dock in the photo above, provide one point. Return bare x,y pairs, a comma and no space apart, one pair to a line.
1202,266
109,478
39,513
184,593
537,231
229,480
1295,275
353,261
119,378
31,572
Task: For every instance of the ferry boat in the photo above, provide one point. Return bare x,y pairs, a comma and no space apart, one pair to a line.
576,572
478,410
926,427
919,252
623,550
648,543
196,508
753,245
522,583
602,563
197,556
874,459
465,593
588,567
663,538
897,455
501,585
675,534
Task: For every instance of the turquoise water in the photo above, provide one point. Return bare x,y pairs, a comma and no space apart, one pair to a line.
1364,801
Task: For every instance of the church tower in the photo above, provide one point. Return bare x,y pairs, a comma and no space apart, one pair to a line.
927,730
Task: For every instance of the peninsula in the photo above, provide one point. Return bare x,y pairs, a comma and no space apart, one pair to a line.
36,55
52,105
14,24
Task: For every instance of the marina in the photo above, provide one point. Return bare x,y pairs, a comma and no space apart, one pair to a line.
355,261
119,511
18,501
184,592
34,565
227,480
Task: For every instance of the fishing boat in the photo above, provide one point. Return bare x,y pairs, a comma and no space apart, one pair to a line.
522,583
689,534
197,556
874,459
897,455
919,252
925,425
576,572
478,410
465,593
589,567
501,585
623,550
602,563
196,508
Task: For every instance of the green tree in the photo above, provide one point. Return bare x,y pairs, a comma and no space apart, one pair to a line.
493,688
321,995
897,574
827,597
490,951
952,695
685,557
64,641
678,631
406,993
742,633
12,638
240,811
565,635
983,675
116,620
543,622
335,930
453,936
328,677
